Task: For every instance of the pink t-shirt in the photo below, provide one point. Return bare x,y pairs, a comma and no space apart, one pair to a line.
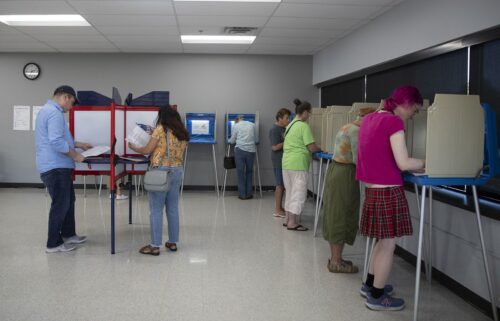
376,163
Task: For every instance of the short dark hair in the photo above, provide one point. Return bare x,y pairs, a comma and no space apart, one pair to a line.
282,112
301,106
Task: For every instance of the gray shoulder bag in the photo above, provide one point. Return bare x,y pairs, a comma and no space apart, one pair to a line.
157,180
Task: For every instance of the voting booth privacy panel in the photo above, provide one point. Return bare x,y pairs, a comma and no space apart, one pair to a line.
202,127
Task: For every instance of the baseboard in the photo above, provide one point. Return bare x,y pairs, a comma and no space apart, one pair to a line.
472,298
93,186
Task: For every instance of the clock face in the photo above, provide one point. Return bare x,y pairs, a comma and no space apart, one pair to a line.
31,71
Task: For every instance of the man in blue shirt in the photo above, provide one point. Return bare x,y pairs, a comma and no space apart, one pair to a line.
243,134
55,159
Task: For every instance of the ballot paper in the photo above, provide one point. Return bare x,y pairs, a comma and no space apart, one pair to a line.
138,137
96,151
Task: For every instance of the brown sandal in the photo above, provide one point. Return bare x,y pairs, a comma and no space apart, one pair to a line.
151,250
171,246
341,268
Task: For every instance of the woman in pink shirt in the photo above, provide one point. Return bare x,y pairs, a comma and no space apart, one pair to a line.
382,155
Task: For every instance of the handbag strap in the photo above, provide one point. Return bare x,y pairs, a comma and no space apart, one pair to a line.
168,151
288,129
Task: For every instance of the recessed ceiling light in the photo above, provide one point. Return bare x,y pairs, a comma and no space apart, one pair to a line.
243,40
229,0
45,20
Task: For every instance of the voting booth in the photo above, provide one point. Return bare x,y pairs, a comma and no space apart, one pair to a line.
202,128
109,125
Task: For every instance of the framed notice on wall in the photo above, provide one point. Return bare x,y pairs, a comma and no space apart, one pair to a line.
21,118
36,110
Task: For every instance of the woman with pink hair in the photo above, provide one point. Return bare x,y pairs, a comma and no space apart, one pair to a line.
382,155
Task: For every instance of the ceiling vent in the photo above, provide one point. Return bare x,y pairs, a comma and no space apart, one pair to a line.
240,31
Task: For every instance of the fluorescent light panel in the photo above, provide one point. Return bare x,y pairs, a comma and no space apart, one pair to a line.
45,20
243,40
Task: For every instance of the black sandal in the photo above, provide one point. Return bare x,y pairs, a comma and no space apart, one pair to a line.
171,246
150,250
298,228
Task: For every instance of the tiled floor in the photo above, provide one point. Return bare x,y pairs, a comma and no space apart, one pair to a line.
235,262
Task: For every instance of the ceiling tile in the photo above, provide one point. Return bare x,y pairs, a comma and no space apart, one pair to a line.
130,30
131,20
15,37
290,32
215,21
326,11
71,38
224,9
204,30
79,45
348,2
311,23
124,7
25,46
152,50
279,50
145,39
35,7
88,49
58,30
291,41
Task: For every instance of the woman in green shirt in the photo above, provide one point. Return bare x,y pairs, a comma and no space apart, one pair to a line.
297,149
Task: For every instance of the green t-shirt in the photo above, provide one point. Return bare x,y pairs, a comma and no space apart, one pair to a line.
296,156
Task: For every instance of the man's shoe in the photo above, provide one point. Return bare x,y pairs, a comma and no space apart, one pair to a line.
384,303
249,197
365,289
61,248
75,239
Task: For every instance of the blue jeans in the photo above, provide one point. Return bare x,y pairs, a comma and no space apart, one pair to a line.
62,209
170,200
244,167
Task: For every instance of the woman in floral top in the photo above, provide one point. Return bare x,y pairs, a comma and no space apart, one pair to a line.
341,202
169,130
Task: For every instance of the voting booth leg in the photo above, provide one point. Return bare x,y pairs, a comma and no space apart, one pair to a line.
258,171
485,257
129,199
113,194
100,185
419,253
368,256
428,268
84,186
319,196
215,171
425,255
184,168
314,189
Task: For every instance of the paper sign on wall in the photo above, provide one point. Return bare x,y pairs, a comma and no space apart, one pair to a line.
36,110
21,117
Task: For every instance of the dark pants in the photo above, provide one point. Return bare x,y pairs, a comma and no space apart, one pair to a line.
62,209
244,167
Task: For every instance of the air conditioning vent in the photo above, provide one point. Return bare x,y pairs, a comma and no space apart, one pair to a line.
240,30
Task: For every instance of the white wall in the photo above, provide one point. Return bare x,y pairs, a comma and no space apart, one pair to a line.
411,26
197,83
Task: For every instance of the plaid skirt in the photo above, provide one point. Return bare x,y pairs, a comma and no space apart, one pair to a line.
385,213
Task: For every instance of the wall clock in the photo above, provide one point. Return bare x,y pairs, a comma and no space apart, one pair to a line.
31,71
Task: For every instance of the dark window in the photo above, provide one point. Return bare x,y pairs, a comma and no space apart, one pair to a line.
485,81
344,93
446,73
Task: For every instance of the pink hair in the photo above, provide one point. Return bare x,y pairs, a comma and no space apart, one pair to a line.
408,95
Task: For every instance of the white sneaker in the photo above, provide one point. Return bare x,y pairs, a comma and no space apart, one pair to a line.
61,248
75,239
121,197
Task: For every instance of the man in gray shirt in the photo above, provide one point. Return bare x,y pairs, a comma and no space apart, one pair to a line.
277,137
